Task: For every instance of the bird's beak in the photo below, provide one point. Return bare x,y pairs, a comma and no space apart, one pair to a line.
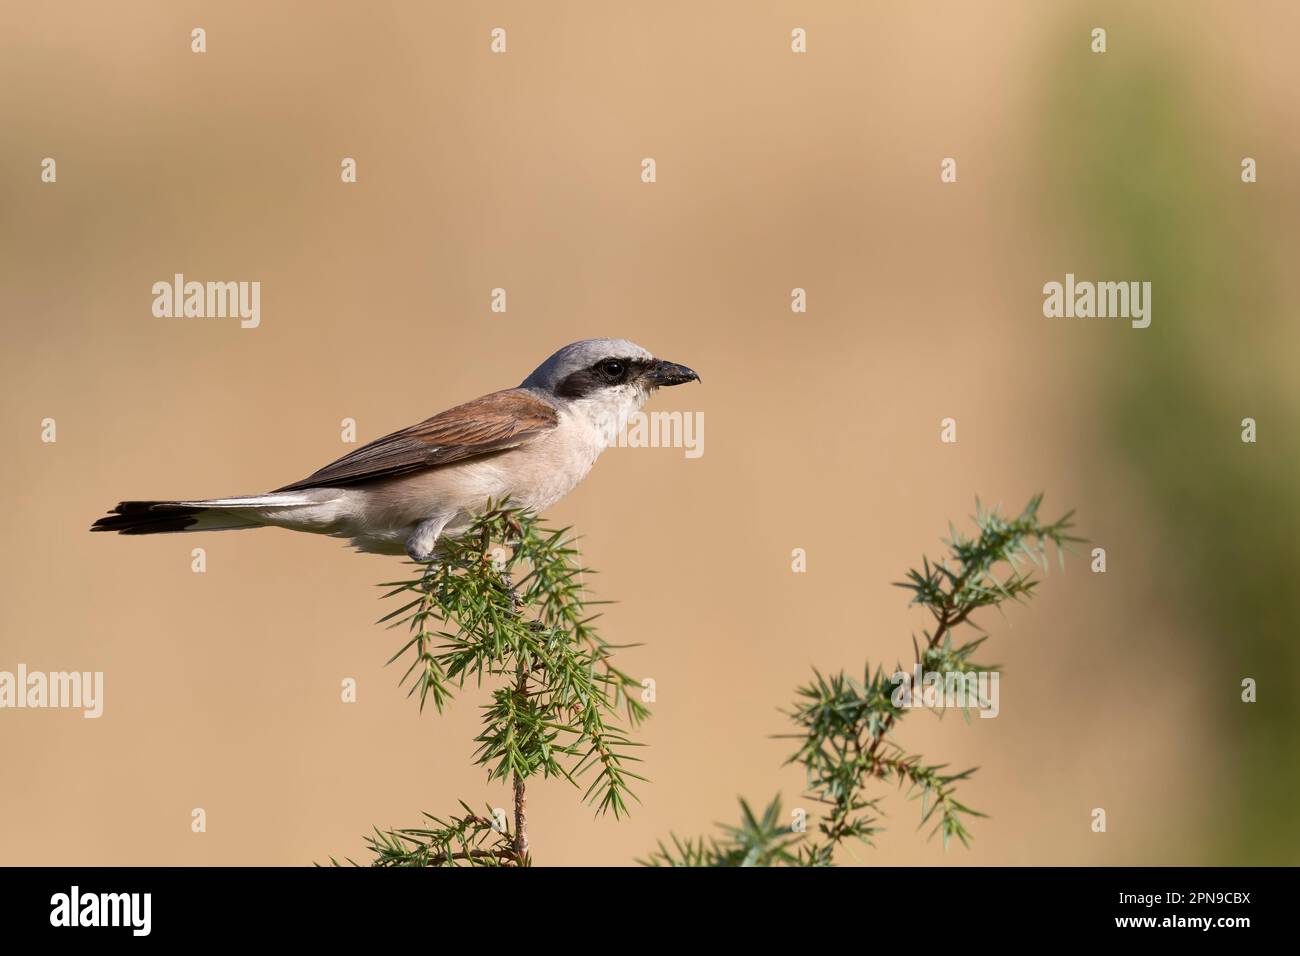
670,373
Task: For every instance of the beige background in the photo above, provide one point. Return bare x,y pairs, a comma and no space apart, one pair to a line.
522,171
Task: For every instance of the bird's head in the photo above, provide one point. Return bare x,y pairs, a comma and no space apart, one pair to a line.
594,368
609,379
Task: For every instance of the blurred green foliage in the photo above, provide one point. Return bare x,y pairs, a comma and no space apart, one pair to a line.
1143,185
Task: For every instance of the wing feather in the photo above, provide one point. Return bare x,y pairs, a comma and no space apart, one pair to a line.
493,423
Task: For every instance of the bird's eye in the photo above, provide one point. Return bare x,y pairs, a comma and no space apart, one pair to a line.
612,369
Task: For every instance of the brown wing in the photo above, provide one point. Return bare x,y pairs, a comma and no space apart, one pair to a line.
489,424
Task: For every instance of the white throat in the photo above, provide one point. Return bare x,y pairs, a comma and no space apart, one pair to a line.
608,412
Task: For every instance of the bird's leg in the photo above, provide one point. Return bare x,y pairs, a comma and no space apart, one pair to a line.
420,544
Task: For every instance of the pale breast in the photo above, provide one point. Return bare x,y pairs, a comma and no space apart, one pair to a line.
534,476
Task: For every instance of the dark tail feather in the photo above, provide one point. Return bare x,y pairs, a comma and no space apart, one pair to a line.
158,517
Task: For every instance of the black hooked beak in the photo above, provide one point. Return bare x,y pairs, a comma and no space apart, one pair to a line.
670,373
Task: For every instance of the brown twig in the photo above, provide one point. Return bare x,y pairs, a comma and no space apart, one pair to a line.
946,623
521,797
521,794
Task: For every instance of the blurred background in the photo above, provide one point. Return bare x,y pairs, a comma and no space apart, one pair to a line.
774,171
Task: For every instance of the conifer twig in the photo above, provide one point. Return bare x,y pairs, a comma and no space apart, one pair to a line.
843,723
524,619
521,797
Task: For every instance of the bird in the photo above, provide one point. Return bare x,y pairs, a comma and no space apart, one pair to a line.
401,494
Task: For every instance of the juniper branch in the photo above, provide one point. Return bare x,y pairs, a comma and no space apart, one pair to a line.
844,724
518,613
